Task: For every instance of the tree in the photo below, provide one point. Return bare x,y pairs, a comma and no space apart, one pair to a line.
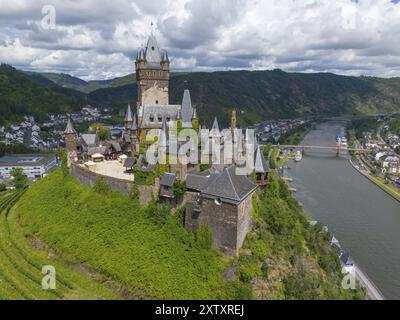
64,162
179,189
2,187
20,180
104,133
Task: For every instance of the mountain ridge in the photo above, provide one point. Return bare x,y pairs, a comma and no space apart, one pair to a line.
257,95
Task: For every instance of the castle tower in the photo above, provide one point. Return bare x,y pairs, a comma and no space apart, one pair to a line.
70,143
128,119
233,120
152,75
134,132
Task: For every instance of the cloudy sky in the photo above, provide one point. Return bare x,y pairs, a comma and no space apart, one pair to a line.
98,39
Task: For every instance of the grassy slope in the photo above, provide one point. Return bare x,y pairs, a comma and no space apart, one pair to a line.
117,237
157,258
20,266
258,94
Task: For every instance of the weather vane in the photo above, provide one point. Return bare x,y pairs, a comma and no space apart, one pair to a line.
152,27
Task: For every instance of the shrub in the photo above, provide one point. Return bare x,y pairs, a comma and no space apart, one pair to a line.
204,237
179,189
100,186
20,180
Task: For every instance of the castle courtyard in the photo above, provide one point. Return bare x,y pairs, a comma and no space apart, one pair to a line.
111,168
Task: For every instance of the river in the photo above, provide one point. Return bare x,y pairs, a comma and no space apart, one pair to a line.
362,217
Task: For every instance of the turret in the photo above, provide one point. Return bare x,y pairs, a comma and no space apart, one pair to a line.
128,118
165,60
233,120
70,143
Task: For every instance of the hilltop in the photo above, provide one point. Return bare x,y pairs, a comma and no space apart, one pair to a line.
257,95
145,253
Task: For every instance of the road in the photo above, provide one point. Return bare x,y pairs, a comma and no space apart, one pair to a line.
372,291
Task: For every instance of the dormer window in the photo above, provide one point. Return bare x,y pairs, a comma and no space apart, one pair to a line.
159,119
151,119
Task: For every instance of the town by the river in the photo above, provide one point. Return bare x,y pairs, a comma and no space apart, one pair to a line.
364,218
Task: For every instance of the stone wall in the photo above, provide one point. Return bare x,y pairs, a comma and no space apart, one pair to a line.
146,192
89,178
229,223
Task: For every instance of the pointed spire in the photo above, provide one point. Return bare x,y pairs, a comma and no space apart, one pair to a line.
260,164
70,128
163,142
215,124
187,110
128,115
134,123
165,56
152,54
194,116
214,132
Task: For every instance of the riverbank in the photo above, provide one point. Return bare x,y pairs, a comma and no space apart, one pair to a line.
364,218
395,195
372,291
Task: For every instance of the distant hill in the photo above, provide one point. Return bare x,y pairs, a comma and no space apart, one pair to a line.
21,95
271,94
256,94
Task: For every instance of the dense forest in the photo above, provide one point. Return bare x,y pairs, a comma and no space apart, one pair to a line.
21,95
257,95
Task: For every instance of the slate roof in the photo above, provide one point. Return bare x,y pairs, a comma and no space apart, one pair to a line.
116,146
168,180
157,113
260,164
129,162
128,114
69,128
134,123
195,181
127,138
93,150
90,139
152,52
228,186
187,109
346,259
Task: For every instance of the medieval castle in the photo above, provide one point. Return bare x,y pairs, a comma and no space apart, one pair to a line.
216,197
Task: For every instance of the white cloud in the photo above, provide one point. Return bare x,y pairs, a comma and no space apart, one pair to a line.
98,39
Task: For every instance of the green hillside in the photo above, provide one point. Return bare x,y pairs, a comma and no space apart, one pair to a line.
145,253
257,95
271,94
20,95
